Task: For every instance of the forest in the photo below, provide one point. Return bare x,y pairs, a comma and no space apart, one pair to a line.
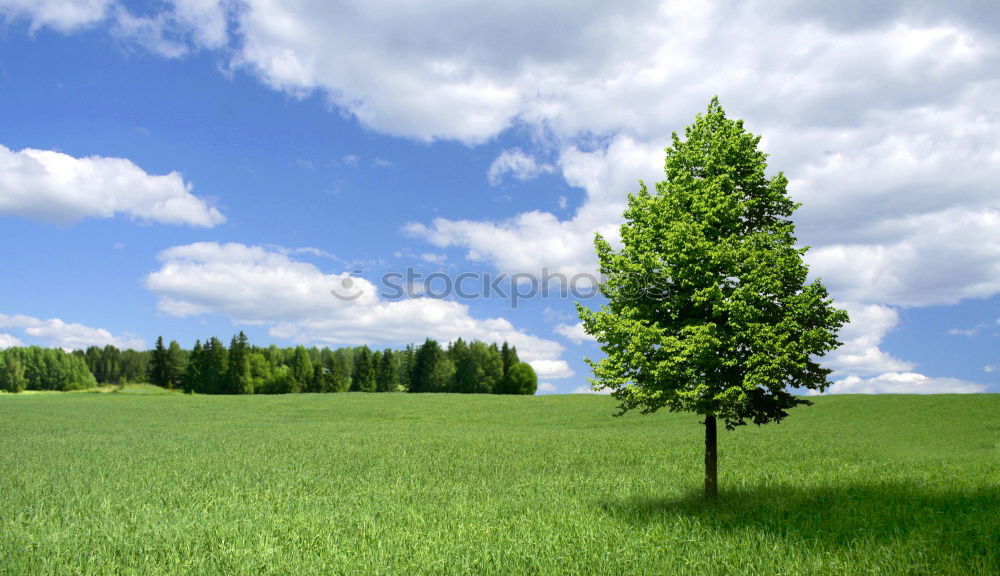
241,368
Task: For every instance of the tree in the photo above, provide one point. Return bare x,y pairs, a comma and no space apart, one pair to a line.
177,361
192,376
509,355
386,376
520,379
708,307
480,370
214,366
12,372
159,369
239,379
363,378
432,368
302,369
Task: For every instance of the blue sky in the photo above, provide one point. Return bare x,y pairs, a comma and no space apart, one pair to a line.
195,168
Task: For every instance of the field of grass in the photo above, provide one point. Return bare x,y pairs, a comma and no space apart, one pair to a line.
461,484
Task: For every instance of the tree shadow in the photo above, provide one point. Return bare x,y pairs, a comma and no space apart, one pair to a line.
950,521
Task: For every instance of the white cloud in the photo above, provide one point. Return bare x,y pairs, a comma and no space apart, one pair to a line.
57,333
546,387
860,354
9,341
517,164
588,390
52,186
969,332
61,15
575,332
434,258
990,368
903,383
258,286
551,368
536,241
152,33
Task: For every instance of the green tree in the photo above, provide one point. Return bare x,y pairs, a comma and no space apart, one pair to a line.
386,377
363,378
239,379
302,369
12,377
192,376
260,370
214,366
520,379
509,355
432,368
708,307
159,365
480,370
177,361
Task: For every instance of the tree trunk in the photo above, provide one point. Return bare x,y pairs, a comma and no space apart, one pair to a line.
711,460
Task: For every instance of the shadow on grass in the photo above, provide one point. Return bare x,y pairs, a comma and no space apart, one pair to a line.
966,523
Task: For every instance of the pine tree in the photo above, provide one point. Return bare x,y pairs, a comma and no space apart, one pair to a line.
176,364
386,377
238,377
363,379
509,355
159,365
192,376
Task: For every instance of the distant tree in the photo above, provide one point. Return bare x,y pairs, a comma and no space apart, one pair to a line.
239,379
709,310
133,366
363,379
479,370
12,377
192,381
432,368
177,361
509,355
260,370
386,377
458,352
520,379
302,369
406,366
214,366
342,369
159,365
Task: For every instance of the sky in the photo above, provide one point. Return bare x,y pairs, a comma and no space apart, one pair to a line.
327,173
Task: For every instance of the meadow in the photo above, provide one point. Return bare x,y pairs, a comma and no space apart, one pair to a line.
147,483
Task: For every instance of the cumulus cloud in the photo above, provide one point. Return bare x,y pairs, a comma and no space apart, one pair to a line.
860,355
546,387
575,333
57,187
517,164
61,15
904,383
9,341
536,241
60,334
588,390
254,285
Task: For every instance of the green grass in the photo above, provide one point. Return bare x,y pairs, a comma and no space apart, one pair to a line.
142,389
444,484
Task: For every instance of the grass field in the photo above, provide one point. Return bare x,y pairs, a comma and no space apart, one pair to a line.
448,484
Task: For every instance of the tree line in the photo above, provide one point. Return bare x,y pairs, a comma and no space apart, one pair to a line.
241,368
